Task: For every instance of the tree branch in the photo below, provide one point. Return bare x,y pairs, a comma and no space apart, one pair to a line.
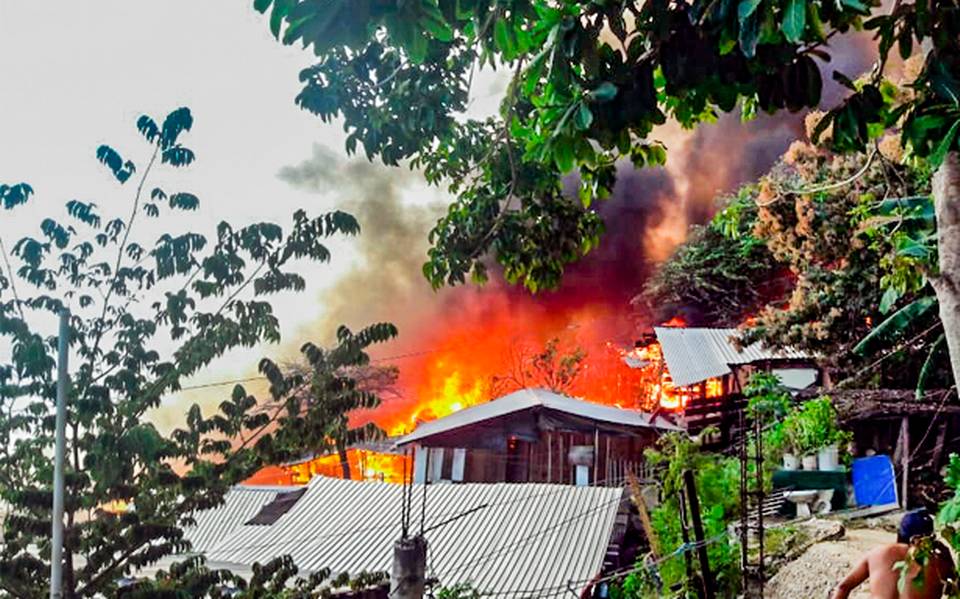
13,283
123,244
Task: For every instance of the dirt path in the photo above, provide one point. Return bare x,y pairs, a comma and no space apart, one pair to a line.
814,574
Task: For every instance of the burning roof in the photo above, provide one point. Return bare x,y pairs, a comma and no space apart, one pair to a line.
693,355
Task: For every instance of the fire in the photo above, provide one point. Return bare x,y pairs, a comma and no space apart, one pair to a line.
649,358
364,464
485,347
452,396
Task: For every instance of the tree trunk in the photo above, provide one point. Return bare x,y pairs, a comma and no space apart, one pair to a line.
344,461
946,199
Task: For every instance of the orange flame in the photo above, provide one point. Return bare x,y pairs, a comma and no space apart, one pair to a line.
364,464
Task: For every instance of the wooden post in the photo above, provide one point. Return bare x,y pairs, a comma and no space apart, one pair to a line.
938,446
744,502
636,494
596,456
758,444
905,432
563,461
705,576
606,466
685,534
549,457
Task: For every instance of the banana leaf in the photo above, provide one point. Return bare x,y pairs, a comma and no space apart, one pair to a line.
896,323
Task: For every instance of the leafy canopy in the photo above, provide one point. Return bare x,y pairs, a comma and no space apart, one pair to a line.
146,314
591,79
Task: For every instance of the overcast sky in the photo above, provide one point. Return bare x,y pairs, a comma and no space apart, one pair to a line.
77,74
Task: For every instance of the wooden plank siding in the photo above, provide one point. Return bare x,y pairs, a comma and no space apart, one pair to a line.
547,461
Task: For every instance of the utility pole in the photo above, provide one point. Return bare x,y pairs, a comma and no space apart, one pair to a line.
408,579
56,554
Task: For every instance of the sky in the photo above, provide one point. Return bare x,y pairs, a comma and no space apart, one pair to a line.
74,75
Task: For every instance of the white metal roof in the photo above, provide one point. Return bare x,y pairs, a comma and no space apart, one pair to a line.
693,355
240,504
510,539
525,399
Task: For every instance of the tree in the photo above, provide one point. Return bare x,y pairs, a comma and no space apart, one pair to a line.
590,81
718,277
551,368
339,381
145,317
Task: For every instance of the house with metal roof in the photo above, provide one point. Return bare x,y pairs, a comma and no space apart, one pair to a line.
506,540
704,371
535,435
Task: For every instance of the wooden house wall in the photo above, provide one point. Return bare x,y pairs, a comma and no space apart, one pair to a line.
546,460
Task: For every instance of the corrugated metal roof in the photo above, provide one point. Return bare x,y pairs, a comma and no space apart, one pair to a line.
693,355
525,399
240,504
502,538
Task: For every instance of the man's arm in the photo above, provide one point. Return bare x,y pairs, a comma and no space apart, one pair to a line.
856,576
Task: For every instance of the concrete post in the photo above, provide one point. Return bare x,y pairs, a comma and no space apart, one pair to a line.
408,579
56,541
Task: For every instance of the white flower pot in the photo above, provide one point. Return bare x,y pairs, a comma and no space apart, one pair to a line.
809,462
829,458
790,462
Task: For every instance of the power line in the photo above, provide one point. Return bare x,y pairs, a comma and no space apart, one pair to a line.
263,378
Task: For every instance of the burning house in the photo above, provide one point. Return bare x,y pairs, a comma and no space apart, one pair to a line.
535,435
701,372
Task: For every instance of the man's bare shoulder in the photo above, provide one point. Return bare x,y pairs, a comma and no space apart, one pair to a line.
889,552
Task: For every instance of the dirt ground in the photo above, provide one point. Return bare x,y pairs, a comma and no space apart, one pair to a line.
814,574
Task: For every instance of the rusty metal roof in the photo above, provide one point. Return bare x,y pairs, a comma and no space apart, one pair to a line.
512,540
693,355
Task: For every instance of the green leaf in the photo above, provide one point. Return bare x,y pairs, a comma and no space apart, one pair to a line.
896,323
280,10
147,127
945,145
584,117
604,92
889,299
533,74
433,21
856,5
465,10
184,201
261,6
502,38
749,35
816,24
928,364
418,47
794,20
563,155
745,9
943,82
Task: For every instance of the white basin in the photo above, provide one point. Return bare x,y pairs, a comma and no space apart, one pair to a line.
802,499
812,501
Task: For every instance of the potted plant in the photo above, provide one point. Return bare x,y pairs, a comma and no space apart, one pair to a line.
815,435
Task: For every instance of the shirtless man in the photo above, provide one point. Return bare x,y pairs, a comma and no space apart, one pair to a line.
878,565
